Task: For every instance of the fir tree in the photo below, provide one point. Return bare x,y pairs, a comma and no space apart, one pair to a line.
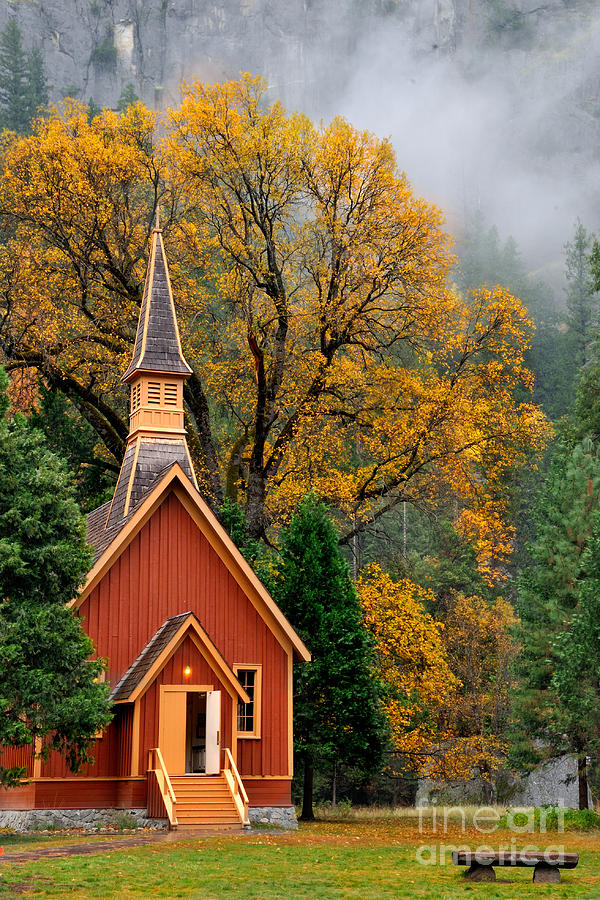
582,301
549,600
576,676
485,259
71,437
48,686
37,84
337,713
128,97
14,105
23,84
93,109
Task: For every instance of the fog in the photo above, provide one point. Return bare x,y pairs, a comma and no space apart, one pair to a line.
513,131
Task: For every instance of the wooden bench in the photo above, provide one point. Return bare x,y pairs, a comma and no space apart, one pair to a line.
546,866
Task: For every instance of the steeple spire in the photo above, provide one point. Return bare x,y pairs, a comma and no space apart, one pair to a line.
156,374
157,344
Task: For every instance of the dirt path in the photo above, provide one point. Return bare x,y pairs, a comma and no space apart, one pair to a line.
134,840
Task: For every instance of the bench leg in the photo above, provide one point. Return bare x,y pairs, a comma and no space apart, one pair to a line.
546,874
477,872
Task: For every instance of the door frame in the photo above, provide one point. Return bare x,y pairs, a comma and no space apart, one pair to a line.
179,689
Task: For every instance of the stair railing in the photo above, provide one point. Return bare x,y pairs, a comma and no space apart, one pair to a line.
236,787
159,782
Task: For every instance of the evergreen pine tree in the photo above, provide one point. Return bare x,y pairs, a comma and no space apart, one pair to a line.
37,84
48,681
93,109
23,83
484,259
128,97
337,714
549,600
576,676
72,438
14,105
582,301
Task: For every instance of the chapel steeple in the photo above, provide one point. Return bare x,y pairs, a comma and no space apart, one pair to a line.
158,367
156,375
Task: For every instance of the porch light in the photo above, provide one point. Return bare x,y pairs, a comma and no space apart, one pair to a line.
187,671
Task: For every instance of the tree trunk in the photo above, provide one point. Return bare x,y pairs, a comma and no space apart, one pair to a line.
307,814
255,502
582,779
334,786
195,398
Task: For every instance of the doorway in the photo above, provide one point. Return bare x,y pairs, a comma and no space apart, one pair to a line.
195,738
190,730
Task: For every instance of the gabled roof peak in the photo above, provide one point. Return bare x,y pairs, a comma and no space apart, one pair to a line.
157,344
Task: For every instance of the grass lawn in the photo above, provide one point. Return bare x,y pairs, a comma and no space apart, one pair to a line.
367,859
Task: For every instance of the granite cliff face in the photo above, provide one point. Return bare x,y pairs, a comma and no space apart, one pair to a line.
93,48
307,49
487,101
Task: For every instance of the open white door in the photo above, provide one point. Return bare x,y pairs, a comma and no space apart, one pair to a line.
213,732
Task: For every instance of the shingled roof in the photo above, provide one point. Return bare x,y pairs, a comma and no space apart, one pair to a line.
157,345
104,524
144,461
139,668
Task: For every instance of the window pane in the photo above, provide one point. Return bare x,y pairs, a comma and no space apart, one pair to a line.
245,719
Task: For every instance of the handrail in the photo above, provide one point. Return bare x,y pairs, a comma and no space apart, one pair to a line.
156,764
236,786
161,763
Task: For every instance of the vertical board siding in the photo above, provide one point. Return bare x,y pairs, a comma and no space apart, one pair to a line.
17,756
123,722
170,568
104,751
155,804
271,792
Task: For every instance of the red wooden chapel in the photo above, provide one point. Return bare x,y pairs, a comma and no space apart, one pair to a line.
199,655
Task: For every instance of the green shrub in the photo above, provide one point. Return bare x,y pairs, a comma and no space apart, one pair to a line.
104,54
553,818
124,820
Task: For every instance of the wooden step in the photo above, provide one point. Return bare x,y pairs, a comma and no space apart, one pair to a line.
209,823
204,801
200,792
210,828
203,811
184,802
214,814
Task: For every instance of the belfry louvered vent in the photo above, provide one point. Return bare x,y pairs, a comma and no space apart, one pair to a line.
154,393
136,396
170,394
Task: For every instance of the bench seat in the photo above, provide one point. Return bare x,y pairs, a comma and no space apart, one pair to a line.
546,865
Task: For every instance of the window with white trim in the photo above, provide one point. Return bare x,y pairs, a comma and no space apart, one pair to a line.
248,714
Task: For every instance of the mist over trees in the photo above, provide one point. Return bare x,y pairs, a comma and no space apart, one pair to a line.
338,350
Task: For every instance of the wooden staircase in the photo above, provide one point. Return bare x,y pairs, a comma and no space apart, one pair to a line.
205,801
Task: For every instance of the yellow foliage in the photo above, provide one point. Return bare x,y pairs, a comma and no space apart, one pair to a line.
478,638
411,660
448,685
329,349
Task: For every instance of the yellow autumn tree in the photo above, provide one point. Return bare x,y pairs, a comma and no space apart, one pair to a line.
448,684
329,349
478,638
411,661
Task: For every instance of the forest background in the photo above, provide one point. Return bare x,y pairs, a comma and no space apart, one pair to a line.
341,348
